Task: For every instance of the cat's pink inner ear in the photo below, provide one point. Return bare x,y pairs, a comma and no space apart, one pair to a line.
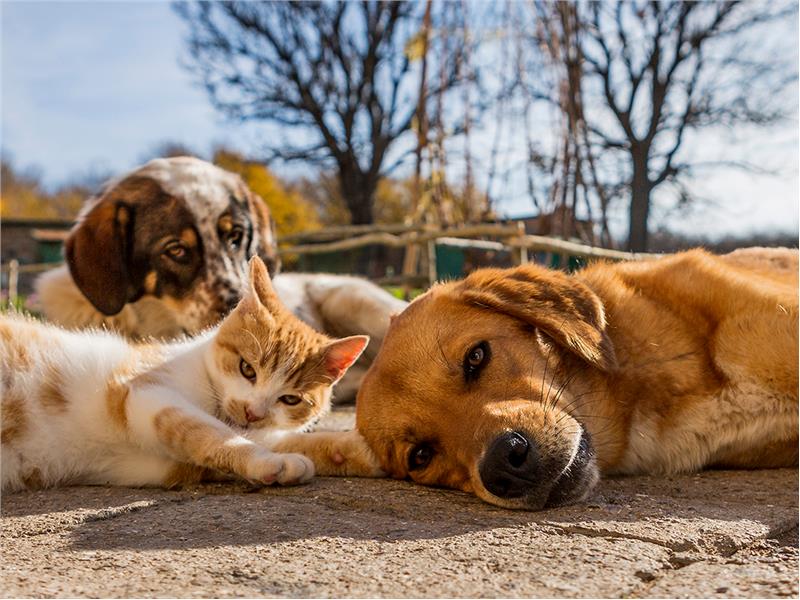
341,354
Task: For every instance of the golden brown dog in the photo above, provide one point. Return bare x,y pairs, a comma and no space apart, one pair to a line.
522,385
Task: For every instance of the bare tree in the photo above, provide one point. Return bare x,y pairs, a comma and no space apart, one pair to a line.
561,174
335,78
635,77
665,68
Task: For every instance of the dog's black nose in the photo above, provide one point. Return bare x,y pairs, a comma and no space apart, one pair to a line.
510,467
230,303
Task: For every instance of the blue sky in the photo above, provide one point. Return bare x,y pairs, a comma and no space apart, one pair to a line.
92,86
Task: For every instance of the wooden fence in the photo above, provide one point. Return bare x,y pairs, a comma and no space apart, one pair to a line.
504,237
335,239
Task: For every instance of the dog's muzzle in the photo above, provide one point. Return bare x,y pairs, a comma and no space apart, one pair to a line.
514,469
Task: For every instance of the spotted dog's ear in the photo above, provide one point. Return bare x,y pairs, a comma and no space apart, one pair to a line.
266,240
560,306
97,252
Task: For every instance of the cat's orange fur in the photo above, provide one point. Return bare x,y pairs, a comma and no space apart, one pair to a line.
90,407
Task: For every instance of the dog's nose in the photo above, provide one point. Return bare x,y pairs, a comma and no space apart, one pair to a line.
230,303
510,467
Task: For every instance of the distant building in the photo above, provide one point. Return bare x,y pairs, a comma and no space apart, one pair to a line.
31,241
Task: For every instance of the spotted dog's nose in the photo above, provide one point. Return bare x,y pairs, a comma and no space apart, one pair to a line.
510,467
230,303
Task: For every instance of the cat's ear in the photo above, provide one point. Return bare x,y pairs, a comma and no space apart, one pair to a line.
261,285
341,354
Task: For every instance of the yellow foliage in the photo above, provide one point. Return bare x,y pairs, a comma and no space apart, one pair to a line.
22,197
394,200
415,46
291,212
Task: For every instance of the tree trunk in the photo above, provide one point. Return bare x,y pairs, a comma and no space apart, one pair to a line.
359,195
640,203
361,212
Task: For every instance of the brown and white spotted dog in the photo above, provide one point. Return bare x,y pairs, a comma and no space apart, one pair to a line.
163,252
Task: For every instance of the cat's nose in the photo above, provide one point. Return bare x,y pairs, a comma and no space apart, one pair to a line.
250,416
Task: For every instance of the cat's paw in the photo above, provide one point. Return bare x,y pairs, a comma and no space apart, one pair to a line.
285,469
349,455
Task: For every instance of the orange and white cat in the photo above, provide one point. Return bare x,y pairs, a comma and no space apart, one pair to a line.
92,408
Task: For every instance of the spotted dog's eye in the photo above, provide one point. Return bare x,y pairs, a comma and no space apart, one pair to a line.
289,400
247,371
177,252
235,237
475,360
420,457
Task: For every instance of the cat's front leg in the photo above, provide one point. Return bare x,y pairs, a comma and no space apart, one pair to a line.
334,453
161,419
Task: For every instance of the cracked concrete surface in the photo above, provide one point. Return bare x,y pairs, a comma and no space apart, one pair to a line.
717,534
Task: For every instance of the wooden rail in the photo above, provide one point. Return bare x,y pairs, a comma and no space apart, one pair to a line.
509,233
511,237
13,266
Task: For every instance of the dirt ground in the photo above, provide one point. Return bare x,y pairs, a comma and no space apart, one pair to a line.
717,534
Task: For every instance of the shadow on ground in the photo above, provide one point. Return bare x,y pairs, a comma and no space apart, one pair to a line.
659,510
718,533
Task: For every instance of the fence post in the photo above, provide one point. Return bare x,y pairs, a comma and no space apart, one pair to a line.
410,261
523,252
519,254
13,282
432,261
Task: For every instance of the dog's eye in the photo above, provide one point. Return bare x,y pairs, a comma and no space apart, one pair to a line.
290,400
475,360
247,370
177,252
420,457
235,237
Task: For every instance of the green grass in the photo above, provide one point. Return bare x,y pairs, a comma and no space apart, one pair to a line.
6,305
20,305
397,292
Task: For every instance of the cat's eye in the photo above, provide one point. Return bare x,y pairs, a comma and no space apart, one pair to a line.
247,370
290,400
420,457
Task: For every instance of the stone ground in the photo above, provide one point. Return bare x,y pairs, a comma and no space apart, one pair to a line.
717,534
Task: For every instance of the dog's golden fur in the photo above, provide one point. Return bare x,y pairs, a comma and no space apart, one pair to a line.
671,365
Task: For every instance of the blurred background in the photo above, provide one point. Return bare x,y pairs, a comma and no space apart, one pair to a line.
641,126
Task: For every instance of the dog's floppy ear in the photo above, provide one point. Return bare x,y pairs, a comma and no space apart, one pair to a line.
267,244
560,306
97,255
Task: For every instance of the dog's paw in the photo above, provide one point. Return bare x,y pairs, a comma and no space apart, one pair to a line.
285,469
348,454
